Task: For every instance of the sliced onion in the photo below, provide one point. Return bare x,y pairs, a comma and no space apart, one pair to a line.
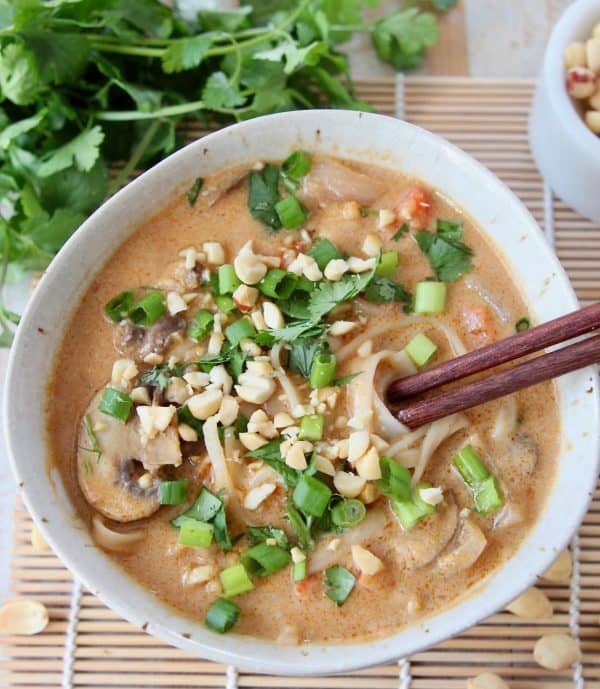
114,540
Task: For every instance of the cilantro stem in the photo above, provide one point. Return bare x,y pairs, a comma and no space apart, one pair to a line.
108,47
169,111
135,158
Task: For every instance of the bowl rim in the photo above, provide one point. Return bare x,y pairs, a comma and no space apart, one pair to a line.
571,22
236,649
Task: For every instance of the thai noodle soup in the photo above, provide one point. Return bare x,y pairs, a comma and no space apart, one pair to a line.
218,405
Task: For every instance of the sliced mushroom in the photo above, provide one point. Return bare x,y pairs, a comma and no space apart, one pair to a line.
136,342
465,549
111,540
110,480
422,545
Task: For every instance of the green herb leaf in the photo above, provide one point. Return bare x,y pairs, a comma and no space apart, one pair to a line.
259,534
403,37
187,53
271,454
340,582
400,232
159,375
344,380
264,195
194,190
448,255
384,291
220,92
83,151
302,354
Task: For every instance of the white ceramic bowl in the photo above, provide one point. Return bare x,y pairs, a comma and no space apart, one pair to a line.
353,135
566,152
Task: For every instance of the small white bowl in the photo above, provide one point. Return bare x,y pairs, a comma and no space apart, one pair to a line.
566,151
353,135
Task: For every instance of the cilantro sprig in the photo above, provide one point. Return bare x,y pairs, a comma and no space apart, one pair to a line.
87,85
448,255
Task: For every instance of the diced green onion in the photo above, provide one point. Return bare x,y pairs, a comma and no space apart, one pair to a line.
222,536
291,212
311,427
430,297
348,513
202,325
297,164
225,304
263,559
116,403
420,349
487,494
195,533
235,580
469,466
340,582
311,496
173,492
388,264
299,571
410,512
194,190
522,324
148,309
240,330
204,509
118,307
395,479
228,281
278,284
184,415
323,252
222,615
322,370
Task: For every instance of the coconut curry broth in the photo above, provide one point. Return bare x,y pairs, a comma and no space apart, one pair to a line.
407,564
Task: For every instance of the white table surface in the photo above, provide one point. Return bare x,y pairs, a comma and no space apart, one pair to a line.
504,38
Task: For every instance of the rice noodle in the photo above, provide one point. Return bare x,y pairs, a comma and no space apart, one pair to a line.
437,432
364,399
222,478
371,527
287,386
505,422
406,441
456,344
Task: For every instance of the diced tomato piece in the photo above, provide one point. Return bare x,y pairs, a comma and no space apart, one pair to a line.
311,586
414,207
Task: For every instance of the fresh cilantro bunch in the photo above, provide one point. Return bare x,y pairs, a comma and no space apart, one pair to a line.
85,84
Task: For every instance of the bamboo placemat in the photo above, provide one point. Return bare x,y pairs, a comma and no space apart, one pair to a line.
87,645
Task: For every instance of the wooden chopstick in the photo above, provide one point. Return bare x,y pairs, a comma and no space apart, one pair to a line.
502,383
558,330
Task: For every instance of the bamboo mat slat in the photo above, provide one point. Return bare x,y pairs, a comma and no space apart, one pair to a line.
488,119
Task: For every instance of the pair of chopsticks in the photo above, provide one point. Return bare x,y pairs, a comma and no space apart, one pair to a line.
530,372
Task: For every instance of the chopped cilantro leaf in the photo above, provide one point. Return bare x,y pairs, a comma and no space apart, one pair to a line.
159,375
271,454
400,232
259,534
384,291
302,354
344,380
448,255
340,582
264,195
194,191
